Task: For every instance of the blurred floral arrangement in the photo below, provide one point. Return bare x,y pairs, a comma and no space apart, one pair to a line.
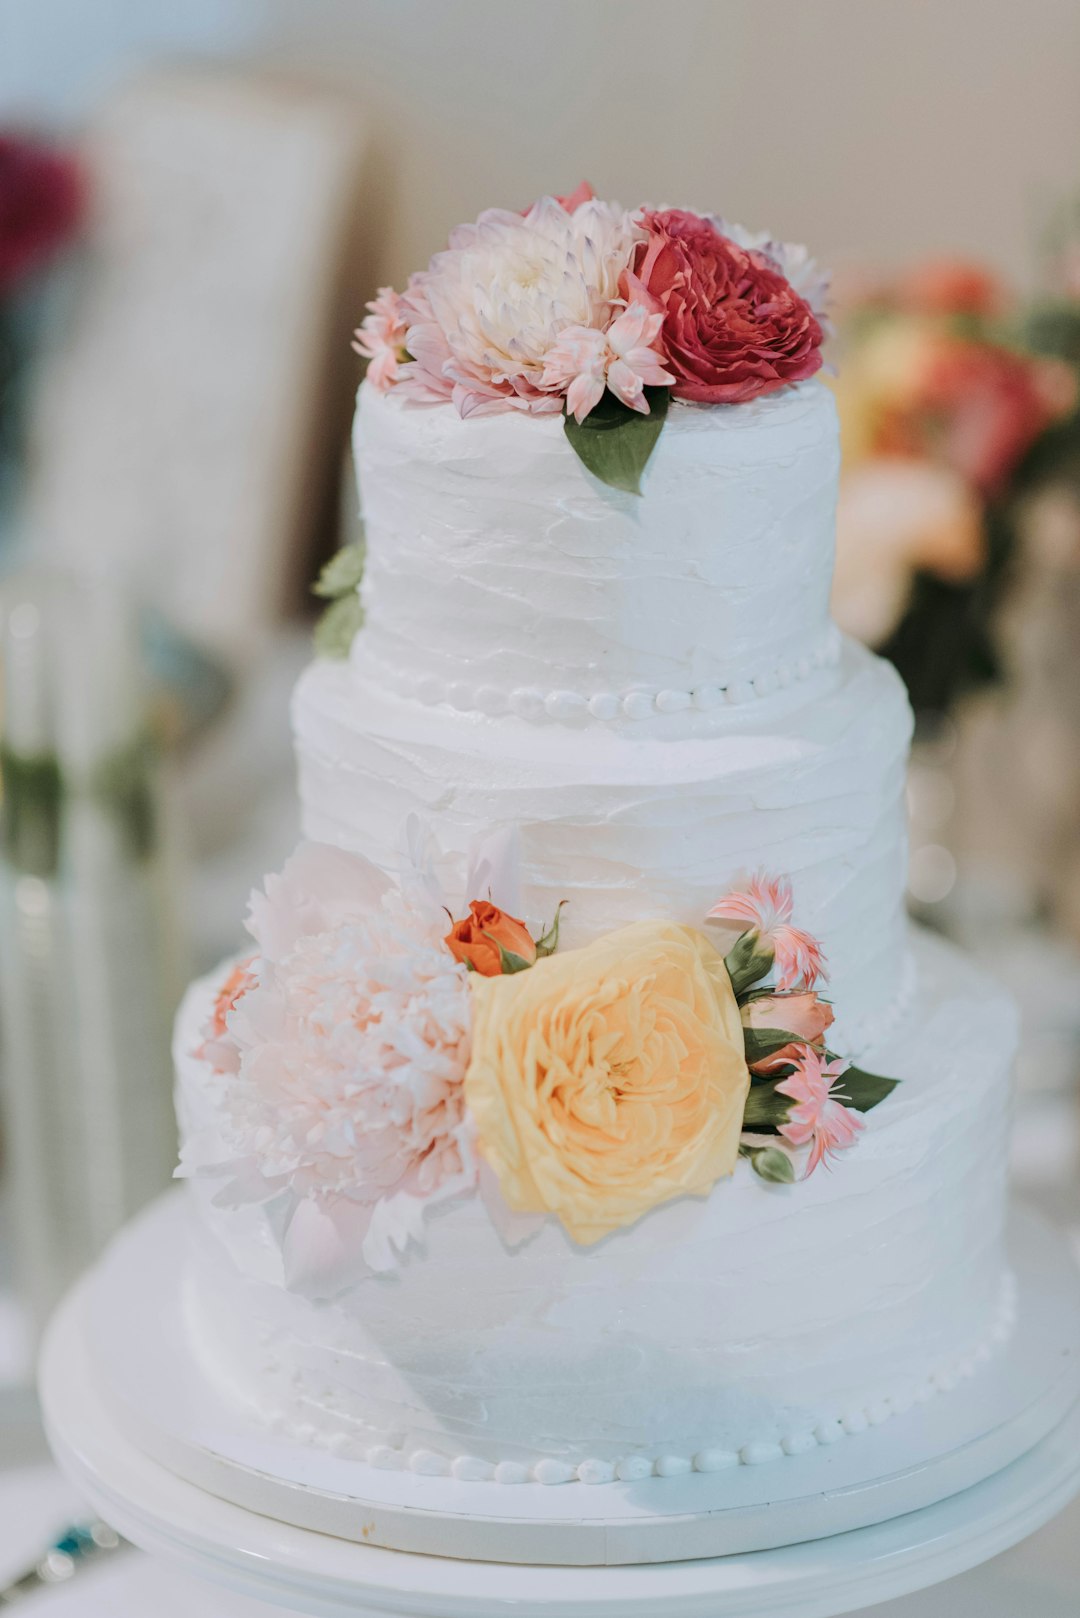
42,203
956,402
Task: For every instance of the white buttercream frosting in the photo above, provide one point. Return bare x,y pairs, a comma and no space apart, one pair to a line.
649,691
631,824
497,563
749,1325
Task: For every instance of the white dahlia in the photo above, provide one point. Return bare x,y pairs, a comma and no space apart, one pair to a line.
485,315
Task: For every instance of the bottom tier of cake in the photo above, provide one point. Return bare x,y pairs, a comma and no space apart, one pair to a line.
755,1323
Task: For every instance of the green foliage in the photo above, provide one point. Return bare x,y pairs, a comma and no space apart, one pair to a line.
615,442
337,625
341,573
509,962
548,943
31,796
770,1163
862,1090
123,786
765,1108
760,1043
748,961
339,584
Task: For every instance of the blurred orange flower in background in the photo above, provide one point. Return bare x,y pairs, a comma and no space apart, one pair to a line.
939,405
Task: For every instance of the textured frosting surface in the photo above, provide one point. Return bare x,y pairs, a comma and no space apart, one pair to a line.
497,564
759,1321
628,825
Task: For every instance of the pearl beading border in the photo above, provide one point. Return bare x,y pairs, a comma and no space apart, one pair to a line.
570,707
634,1468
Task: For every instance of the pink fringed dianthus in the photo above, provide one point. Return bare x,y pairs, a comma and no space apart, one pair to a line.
624,358
766,905
381,338
819,1118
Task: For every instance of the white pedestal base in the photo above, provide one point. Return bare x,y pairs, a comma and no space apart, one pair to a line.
324,1574
139,1360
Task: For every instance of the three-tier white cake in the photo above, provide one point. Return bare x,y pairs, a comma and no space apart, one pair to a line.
643,696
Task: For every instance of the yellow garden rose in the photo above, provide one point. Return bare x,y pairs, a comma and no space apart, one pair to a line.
607,1080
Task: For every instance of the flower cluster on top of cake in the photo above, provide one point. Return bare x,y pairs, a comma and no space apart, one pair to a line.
601,313
383,1052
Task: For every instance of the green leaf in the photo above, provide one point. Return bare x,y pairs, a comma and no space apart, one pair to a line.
342,573
863,1090
765,1109
747,961
549,943
759,1043
615,442
338,624
509,962
771,1164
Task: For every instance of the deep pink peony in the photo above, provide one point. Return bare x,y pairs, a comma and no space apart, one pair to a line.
734,327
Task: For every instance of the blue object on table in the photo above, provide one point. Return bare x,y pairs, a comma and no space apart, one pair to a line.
77,1547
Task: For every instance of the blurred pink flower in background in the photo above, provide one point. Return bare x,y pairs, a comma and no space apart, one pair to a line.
42,199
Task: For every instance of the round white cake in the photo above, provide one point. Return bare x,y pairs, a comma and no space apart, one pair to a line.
648,691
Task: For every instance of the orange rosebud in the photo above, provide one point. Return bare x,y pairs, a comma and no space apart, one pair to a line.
476,939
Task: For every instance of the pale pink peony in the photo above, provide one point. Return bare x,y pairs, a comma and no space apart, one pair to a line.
766,904
819,1118
623,358
218,1048
351,1051
380,338
484,316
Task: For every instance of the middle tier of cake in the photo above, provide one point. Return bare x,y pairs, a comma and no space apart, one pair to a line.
807,783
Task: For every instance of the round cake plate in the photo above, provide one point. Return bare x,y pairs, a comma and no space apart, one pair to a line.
129,1320
329,1577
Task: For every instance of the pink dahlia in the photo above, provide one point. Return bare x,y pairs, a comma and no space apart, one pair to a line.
734,326
380,338
485,315
766,904
819,1119
623,358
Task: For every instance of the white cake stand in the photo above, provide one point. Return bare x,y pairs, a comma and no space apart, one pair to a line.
320,1573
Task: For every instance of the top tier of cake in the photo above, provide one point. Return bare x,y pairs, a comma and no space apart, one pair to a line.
503,577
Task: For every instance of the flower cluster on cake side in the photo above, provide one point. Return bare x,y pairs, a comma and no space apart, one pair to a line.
382,1052
603,314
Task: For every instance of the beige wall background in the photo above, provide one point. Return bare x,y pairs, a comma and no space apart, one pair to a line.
875,130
